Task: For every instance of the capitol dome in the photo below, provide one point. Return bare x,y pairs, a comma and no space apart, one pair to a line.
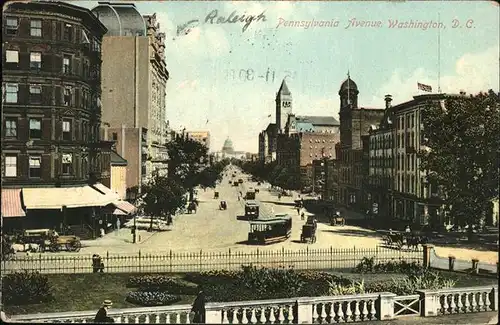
228,146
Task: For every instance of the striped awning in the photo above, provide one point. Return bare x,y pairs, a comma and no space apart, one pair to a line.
11,203
125,206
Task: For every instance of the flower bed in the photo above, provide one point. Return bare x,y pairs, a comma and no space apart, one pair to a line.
151,298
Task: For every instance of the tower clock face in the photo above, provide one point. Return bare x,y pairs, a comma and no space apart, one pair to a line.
287,104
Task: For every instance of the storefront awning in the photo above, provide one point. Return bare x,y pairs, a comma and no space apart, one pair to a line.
11,203
125,206
57,197
109,193
119,212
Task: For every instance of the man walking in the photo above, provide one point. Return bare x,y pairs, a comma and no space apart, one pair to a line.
199,308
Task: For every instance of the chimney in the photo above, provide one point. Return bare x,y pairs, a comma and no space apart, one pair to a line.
388,100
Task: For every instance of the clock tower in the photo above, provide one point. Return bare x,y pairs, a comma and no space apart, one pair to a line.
348,102
283,106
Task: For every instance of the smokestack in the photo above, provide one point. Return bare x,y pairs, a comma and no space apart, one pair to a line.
388,100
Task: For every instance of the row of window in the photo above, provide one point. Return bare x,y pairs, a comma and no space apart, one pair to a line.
35,165
407,121
35,129
410,162
36,61
381,142
36,30
35,96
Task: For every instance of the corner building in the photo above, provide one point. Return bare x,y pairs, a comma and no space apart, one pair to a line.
134,79
51,115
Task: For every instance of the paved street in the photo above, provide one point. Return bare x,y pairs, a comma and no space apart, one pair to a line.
213,230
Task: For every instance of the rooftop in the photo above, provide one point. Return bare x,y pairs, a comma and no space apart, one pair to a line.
121,19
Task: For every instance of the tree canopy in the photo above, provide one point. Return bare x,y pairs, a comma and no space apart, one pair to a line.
162,197
276,175
463,156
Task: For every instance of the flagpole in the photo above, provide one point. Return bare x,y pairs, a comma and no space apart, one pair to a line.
439,53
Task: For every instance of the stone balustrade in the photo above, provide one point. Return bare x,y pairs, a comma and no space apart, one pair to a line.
459,300
303,310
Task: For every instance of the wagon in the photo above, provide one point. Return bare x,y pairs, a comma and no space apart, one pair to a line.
308,233
68,243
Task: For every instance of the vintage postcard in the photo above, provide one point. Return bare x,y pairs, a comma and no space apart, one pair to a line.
250,161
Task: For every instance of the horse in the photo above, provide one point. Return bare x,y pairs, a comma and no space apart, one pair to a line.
25,247
412,242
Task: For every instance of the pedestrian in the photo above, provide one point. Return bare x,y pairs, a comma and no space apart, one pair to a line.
407,230
302,216
118,223
298,210
199,308
102,314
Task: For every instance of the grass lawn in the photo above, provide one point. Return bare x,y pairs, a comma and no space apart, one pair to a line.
79,292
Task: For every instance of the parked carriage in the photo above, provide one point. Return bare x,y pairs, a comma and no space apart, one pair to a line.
48,239
401,239
269,231
308,233
216,195
223,205
68,243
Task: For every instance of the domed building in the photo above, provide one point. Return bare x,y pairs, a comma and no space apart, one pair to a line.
229,152
228,147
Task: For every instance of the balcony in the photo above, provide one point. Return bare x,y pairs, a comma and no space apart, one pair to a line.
310,310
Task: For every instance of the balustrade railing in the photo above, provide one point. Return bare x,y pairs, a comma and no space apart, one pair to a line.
309,310
459,300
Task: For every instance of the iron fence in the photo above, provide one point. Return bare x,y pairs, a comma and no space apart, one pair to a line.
179,262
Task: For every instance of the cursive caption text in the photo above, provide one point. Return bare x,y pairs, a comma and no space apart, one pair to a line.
355,23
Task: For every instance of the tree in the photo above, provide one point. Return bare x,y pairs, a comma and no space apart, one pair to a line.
161,197
463,156
187,159
209,176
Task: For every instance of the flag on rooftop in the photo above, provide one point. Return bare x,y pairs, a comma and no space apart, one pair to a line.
423,87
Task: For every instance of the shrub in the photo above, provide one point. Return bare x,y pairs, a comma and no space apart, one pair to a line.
337,289
214,275
271,283
158,282
367,265
26,287
151,298
423,280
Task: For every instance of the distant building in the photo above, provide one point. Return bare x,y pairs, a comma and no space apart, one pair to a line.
267,143
228,151
303,139
134,82
202,137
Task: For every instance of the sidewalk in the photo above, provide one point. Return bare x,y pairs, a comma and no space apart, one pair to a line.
462,319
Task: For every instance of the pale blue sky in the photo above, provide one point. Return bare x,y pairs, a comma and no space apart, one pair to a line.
381,60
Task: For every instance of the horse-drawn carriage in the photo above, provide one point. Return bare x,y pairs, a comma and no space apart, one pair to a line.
216,195
308,233
269,231
337,220
400,239
68,243
222,205
40,240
